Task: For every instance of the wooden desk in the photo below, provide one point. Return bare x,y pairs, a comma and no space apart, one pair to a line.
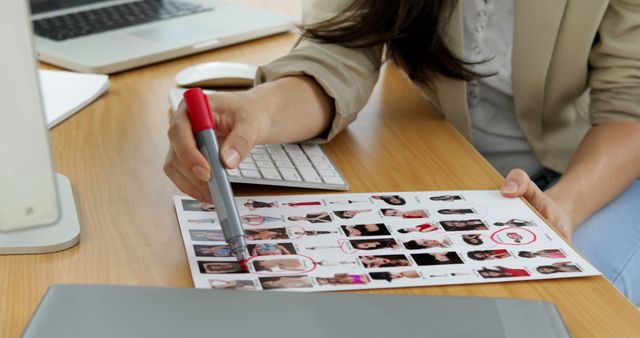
113,153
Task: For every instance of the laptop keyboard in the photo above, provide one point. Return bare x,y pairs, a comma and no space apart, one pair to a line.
104,19
293,165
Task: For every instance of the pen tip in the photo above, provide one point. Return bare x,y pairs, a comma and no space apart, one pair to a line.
243,265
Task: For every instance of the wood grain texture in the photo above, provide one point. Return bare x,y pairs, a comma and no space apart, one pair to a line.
113,152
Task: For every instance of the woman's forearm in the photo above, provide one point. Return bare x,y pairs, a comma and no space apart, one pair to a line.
606,162
300,109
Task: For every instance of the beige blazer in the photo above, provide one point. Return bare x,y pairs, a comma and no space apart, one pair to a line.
575,63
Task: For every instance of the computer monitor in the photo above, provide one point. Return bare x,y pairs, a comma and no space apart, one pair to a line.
37,210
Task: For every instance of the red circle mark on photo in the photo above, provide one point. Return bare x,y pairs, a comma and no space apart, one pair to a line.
342,244
516,229
313,265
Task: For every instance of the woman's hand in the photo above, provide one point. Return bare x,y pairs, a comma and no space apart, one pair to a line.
290,109
518,184
239,126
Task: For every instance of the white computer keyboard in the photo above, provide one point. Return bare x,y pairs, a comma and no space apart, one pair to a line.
291,165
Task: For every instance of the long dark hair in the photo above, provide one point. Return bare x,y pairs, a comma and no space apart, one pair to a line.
411,30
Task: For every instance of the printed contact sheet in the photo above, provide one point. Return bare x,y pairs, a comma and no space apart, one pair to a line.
376,240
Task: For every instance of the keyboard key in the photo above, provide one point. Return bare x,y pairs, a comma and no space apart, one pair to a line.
234,173
275,149
310,175
324,167
301,162
261,151
327,172
280,157
265,164
247,166
259,157
271,174
250,173
290,175
312,149
318,159
291,147
332,180
284,164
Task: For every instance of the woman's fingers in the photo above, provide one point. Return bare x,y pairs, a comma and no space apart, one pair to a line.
237,145
517,183
201,186
184,184
190,160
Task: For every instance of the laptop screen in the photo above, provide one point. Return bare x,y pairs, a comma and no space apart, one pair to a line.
41,6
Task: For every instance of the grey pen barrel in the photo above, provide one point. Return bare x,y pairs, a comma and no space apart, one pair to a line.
223,195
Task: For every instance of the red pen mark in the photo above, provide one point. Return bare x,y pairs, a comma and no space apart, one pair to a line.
296,229
515,229
244,266
345,248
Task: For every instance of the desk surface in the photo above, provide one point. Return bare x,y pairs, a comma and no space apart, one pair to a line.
113,153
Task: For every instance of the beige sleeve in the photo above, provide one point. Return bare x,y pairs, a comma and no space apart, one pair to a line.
347,75
615,62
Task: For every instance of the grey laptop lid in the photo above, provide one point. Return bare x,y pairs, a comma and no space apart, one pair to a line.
223,23
126,311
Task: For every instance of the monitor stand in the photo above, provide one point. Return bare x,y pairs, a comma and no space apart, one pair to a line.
47,238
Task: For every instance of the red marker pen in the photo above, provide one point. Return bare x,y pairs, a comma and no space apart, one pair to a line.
203,127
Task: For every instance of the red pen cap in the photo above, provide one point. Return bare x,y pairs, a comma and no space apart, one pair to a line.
198,110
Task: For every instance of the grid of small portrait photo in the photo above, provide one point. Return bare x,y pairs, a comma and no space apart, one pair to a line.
357,241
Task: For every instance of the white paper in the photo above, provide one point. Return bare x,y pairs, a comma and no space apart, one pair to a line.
65,93
302,243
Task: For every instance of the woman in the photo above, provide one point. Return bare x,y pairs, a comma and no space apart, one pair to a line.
405,214
375,244
471,224
547,253
348,214
212,251
419,244
390,199
279,265
344,278
501,272
536,91
232,284
558,267
390,276
266,234
425,227
258,219
472,239
270,283
446,198
363,230
456,211
371,262
482,255
515,223
437,258
318,217
269,249
253,204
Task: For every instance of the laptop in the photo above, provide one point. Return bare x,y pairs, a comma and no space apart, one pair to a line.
108,36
